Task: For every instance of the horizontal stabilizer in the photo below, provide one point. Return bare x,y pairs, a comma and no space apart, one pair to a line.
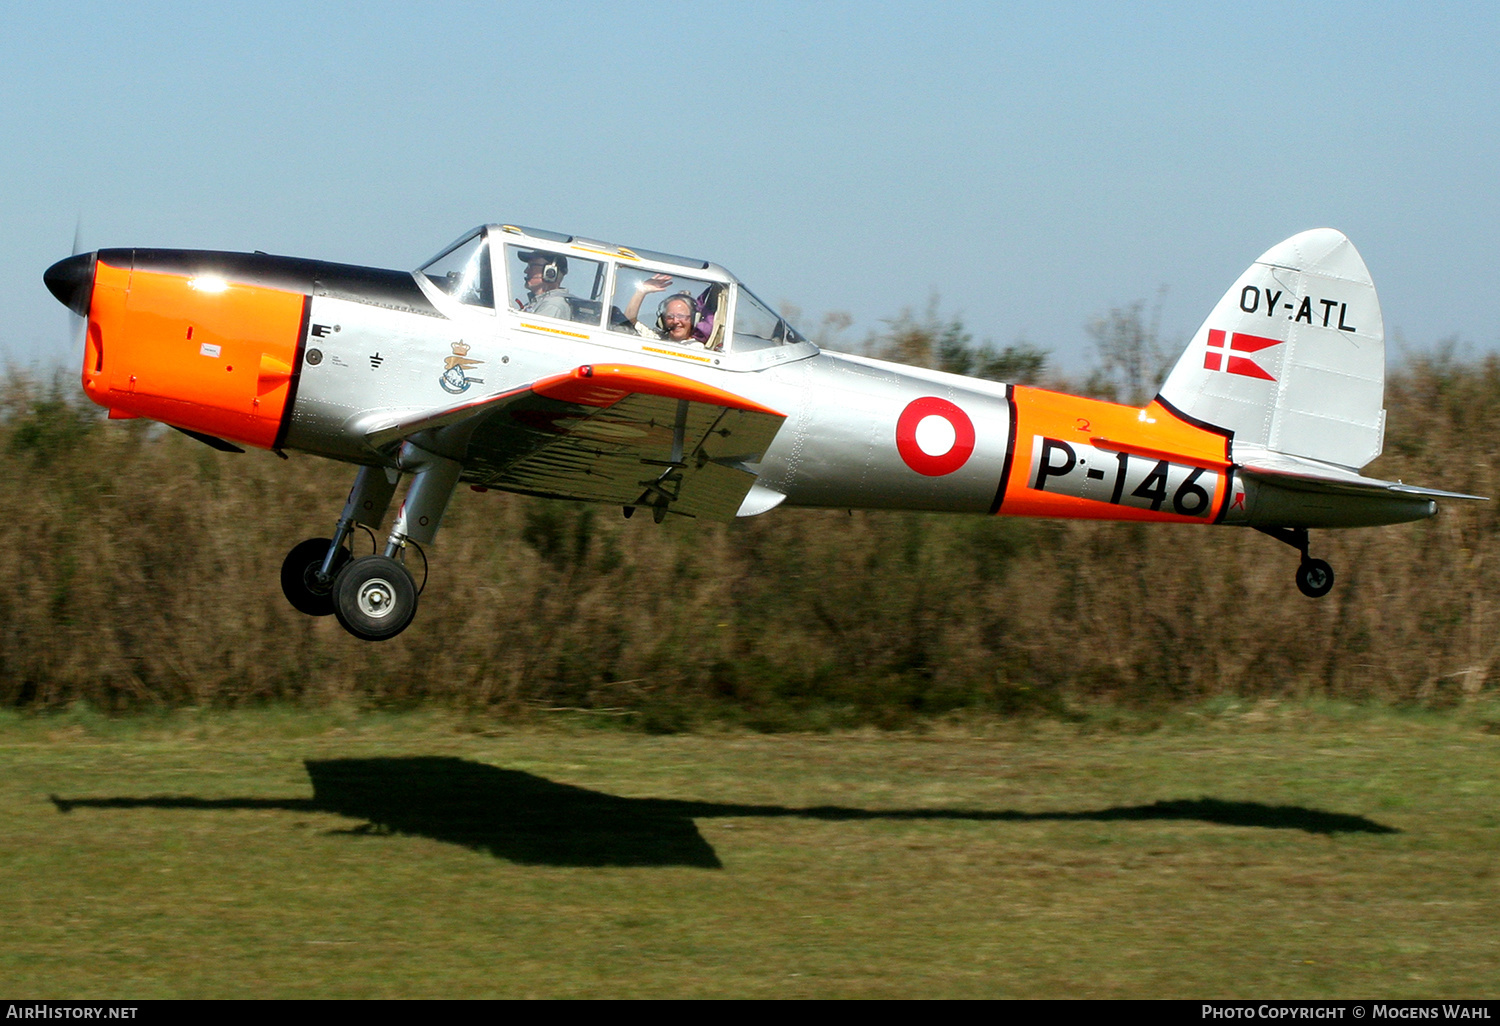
1296,474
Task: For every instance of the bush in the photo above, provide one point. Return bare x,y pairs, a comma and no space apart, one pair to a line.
143,572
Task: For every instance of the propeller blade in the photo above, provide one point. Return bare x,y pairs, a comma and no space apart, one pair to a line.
72,282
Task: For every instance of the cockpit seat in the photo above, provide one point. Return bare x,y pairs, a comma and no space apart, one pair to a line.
584,310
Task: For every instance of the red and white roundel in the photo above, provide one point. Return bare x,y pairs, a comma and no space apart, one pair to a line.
934,436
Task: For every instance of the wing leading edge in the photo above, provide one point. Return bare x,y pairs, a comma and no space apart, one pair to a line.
619,434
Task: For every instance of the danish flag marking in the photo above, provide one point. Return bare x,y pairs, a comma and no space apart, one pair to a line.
1239,342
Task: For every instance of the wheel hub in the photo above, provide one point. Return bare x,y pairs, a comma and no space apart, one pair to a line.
376,598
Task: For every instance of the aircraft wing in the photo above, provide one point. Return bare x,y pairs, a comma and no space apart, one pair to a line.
606,433
1298,474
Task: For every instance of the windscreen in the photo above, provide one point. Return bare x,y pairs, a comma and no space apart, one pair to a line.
463,271
756,327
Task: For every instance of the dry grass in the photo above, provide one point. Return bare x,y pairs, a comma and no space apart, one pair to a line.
145,575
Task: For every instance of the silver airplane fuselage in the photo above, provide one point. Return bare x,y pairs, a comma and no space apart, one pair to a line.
530,361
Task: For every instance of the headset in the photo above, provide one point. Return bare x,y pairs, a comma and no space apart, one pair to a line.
553,270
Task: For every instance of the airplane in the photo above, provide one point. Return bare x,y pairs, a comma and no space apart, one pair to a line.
564,367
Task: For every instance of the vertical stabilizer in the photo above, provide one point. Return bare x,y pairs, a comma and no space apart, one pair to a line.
1292,359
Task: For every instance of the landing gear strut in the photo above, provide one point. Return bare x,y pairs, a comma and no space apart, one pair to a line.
1314,576
374,597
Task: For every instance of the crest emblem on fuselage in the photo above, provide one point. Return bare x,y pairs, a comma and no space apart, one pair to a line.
455,377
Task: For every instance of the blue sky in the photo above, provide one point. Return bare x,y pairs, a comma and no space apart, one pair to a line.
1032,165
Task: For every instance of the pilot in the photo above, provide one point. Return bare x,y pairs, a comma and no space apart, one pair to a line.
543,276
676,317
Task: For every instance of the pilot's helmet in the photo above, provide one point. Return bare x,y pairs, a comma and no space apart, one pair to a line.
555,266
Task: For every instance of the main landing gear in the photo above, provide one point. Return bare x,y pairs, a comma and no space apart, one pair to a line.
373,597
1314,576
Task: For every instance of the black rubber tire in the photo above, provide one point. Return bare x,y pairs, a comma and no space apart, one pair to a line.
1314,578
374,598
298,583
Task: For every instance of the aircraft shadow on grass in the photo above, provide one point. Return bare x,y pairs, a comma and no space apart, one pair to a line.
535,821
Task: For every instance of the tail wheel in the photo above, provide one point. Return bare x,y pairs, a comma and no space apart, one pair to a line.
374,598
300,572
1314,578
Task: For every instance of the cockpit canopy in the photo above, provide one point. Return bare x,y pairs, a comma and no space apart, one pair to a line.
634,294
462,271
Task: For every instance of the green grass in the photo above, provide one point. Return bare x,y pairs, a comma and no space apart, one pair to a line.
1236,850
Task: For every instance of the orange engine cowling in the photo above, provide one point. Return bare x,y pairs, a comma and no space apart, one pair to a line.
194,350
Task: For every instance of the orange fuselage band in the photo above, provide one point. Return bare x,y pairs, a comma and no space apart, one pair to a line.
1154,432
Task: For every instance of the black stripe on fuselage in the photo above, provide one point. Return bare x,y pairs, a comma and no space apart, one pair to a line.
1228,439
373,286
1205,425
291,391
1228,496
1010,450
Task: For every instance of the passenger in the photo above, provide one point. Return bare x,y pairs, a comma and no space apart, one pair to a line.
676,317
543,276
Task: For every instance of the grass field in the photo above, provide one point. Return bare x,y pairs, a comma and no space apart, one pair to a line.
1239,851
